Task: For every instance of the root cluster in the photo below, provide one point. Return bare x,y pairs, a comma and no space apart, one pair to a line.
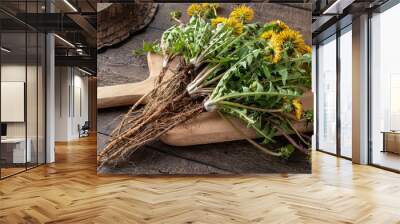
169,105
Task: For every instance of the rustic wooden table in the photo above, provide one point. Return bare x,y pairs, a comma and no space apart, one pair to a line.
117,65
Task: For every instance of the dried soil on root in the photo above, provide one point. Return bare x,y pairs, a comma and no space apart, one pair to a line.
169,106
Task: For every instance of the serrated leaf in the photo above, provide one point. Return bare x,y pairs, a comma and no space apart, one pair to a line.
284,74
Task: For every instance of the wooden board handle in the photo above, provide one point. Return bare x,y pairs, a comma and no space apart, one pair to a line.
128,94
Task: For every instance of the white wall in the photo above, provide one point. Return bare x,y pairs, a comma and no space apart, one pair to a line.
61,103
80,110
70,84
13,101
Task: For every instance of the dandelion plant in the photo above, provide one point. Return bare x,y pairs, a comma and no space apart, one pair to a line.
256,72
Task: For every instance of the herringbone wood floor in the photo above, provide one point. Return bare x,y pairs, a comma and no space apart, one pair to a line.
69,191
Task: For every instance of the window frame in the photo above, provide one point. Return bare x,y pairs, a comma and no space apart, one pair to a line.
339,32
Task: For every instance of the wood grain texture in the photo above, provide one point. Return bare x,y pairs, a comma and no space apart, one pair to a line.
70,191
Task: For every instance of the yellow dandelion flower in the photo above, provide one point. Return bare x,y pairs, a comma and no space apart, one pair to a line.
218,20
291,35
287,38
281,25
277,55
308,49
194,9
267,35
298,108
242,13
236,25
305,49
229,22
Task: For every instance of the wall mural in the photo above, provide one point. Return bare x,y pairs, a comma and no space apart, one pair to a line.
204,88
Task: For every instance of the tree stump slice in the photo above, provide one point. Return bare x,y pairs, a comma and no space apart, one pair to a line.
116,22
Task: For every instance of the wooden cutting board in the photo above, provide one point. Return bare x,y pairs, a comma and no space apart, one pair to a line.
207,128
128,94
